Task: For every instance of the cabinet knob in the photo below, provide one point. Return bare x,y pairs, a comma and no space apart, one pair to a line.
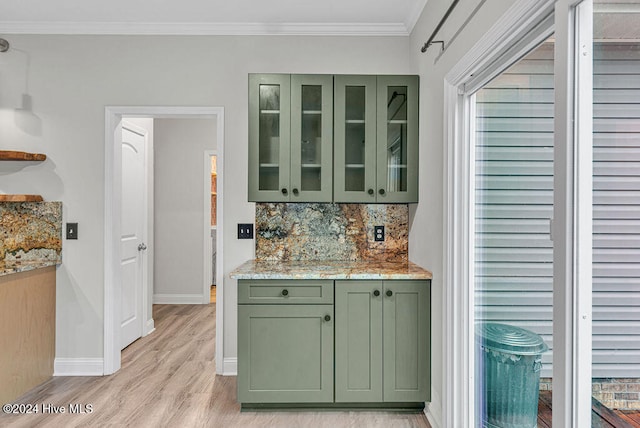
327,318
284,191
370,191
389,293
295,191
376,293
381,191
285,292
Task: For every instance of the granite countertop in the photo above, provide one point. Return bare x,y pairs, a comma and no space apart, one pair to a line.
8,268
328,269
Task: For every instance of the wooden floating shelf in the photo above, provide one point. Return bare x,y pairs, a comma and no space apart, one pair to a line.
21,156
21,198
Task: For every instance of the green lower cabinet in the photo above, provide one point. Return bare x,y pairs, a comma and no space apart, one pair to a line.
382,353
383,341
358,341
407,341
285,353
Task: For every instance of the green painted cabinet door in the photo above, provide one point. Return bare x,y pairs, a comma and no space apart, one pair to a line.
397,139
354,174
285,353
407,347
269,137
311,138
376,139
358,306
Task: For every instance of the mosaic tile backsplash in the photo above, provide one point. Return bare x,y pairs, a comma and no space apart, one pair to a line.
288,232
30,231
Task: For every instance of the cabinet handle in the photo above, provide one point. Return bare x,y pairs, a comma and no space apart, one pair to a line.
284,191
376,293
389,293
381,191
327,318
370,191
285,292
295,191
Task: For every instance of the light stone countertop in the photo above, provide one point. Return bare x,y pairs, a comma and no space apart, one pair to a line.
329,269
8,268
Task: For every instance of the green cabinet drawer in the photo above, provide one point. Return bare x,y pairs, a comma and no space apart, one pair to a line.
284,292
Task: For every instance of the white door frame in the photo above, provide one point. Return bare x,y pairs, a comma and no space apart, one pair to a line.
512,29
571,229
112,205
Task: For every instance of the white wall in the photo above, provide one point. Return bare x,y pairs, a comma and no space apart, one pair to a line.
179,146
73,78
426,233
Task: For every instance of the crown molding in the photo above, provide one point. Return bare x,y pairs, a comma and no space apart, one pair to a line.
205,29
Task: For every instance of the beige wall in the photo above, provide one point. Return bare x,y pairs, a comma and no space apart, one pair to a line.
179,146
72,79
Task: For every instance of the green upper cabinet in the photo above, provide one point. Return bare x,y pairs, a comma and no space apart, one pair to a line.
355,139
269,137
324,138
376,139
397,139
290,138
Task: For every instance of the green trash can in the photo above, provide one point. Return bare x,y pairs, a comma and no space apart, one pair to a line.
508,362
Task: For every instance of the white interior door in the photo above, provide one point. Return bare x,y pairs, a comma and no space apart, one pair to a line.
133,226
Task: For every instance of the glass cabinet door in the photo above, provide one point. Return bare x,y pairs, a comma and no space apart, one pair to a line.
269,137
397,151
355,139
311,138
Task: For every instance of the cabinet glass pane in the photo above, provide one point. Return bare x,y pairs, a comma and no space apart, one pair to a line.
355,107
269,137
311,144
397,139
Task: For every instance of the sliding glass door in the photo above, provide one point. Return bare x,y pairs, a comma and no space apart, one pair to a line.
616,208
513,269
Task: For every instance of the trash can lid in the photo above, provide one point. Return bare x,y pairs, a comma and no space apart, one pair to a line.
509,339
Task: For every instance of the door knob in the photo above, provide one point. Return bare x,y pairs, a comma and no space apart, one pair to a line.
389,293
284,191
381,191
370,191
376,293
142,247
327,318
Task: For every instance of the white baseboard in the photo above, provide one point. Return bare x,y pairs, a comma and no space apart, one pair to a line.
433,410
229,367
177,299
149,328
78,367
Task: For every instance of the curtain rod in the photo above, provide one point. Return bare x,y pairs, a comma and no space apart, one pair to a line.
440,24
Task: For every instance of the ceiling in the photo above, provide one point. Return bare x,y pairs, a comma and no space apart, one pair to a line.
331,17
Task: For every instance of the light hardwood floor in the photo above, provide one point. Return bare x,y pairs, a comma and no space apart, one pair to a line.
167,380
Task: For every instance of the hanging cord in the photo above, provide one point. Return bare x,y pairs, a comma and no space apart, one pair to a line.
440,24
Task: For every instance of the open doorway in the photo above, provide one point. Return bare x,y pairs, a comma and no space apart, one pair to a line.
173,174
213,159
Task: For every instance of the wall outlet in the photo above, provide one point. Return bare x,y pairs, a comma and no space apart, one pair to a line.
378,233
245,231
72,230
